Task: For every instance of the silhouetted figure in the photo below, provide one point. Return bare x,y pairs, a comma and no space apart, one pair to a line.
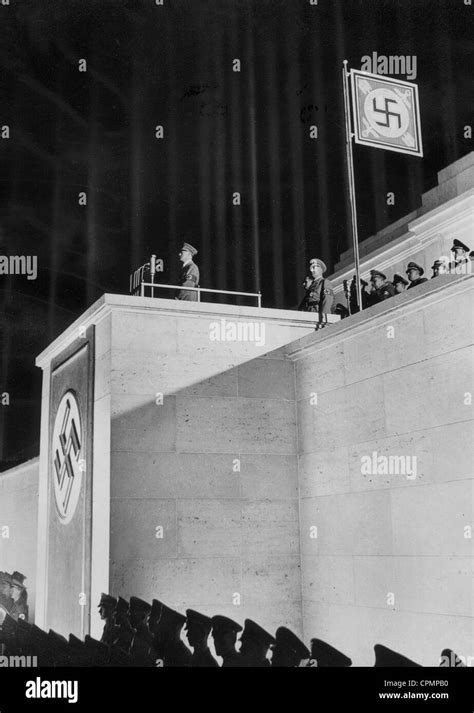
255,643
107,607
224,633
288,651
155,616
118,657
198,629
326,656
77,651
59,649
8,635
24,635
450,660
141,648
169,646
124,632
385,657
96,652
41,646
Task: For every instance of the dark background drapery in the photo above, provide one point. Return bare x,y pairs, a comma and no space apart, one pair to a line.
224,132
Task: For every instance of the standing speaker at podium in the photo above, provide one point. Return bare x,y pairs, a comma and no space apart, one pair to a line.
189,273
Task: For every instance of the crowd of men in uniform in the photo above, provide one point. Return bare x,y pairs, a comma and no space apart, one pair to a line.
319,292
140,634
13,596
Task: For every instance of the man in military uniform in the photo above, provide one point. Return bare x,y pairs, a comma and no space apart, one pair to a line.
107,606
19,608
198,628
439,267
319,295
169,646
255,643
155,615
460,264
141,648
399,283
385,657
380,289
324,655
224,633
288,651
124,632
189,273
415,273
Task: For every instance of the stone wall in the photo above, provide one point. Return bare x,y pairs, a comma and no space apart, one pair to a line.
213,467
391,560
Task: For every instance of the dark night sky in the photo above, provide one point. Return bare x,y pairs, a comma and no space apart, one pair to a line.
224,131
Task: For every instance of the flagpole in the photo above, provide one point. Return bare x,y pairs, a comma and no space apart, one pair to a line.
350,175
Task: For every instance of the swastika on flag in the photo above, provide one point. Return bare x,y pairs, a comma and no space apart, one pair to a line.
386,113
67,463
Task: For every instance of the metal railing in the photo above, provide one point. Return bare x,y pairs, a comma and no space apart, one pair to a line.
185,288
136,278
138,285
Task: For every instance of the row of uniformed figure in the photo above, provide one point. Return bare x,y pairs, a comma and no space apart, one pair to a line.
13,596
144,635
379,288
319,291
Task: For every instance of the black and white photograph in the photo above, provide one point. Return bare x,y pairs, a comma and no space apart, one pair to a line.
236,350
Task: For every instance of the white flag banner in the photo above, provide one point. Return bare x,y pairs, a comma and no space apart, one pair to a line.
386,113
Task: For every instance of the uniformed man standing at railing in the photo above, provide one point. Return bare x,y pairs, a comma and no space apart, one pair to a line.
459,265
189,273
319,295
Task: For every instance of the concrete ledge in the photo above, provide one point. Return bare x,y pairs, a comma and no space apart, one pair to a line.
163,307
411,300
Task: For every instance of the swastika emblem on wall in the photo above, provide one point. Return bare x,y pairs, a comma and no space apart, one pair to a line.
67,460
386,113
